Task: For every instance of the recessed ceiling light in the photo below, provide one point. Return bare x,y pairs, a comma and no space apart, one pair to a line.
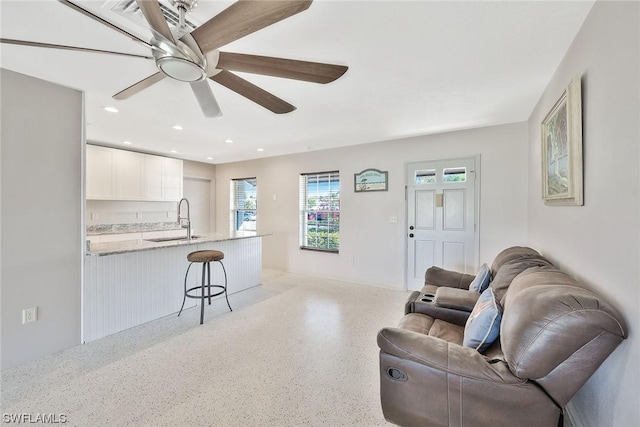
177,127
209,158
260,149
127,142
174,151
110,109
228,141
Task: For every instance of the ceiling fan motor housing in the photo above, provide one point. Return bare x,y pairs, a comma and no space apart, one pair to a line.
181,61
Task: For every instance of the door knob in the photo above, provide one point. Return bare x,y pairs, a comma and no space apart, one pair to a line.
411,235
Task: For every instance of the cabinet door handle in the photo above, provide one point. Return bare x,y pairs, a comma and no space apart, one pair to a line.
411,228
411,235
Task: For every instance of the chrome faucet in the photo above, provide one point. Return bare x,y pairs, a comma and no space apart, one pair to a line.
188,218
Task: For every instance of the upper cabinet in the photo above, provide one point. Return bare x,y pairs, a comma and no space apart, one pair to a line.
171,179
129,175
101,173
153,178
125,175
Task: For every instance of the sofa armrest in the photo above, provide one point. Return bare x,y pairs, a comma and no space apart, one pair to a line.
443,356
456,299
437,276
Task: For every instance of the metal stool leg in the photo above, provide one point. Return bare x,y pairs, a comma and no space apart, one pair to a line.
184,298
225,285
209,281
202,294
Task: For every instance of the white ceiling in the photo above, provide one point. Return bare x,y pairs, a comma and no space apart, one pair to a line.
415,67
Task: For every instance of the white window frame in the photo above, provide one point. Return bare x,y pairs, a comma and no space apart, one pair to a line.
322,217
248,214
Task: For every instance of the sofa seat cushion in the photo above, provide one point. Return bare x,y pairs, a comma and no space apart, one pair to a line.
436,328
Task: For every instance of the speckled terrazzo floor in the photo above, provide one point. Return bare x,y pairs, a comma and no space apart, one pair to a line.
296,351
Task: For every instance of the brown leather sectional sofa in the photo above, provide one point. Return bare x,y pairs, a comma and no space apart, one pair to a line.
554,334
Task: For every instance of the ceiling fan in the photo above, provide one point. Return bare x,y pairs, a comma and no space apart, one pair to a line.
193,56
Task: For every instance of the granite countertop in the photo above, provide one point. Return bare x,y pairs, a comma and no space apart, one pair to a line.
112,248
104,229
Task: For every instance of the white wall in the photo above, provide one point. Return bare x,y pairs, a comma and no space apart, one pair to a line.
207,172
42,194
599,242
378,246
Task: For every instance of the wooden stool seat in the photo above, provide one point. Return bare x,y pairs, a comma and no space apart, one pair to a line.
205,256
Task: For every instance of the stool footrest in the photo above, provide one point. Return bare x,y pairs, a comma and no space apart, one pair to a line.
206,287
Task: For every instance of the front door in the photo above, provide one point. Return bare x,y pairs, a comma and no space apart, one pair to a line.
441,217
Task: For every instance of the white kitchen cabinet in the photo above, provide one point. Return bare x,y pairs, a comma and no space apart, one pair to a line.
171,179
130,168
101,173
153,178
114,174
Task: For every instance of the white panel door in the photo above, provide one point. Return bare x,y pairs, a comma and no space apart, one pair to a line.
441,209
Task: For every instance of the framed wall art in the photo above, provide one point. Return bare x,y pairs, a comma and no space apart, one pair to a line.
561,132
370,180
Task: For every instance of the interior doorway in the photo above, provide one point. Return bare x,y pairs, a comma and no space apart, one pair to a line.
198,192
441,217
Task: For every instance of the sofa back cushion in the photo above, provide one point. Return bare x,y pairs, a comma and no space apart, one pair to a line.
510,254
556,332
509,270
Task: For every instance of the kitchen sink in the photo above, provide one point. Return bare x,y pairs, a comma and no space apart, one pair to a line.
171,239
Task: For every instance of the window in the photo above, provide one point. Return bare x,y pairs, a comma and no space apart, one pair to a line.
427,176
244,206
454,175
320,211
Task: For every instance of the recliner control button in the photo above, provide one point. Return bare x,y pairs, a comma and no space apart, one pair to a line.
397,374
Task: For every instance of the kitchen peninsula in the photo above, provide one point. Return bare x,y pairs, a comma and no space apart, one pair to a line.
131,282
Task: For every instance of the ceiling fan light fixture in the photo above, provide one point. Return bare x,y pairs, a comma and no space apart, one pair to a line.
181,69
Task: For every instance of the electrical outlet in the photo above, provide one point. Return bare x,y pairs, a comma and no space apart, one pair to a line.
138,215
94,215
351,260
29,315
393,219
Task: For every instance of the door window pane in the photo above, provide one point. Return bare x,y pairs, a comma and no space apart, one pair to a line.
454,175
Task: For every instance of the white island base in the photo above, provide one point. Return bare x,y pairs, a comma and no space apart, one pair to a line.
126,288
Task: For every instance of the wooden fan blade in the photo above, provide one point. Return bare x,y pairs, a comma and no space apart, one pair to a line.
205,98
154,16
252,92
103,21
137,87
76,48
280,67
242,18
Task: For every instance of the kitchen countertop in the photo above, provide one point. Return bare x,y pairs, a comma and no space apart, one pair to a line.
112,248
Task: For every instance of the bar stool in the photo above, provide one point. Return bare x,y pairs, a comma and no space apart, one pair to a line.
204,257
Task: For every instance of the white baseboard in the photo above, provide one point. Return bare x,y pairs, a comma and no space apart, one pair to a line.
572,413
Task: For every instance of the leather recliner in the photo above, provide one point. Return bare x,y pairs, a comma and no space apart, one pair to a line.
554,334
446,294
